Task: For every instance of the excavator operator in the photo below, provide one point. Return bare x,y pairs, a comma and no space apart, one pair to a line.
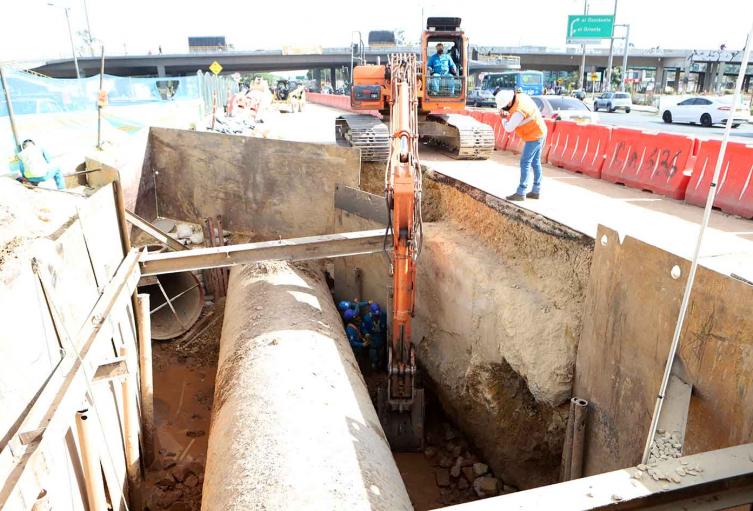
441,65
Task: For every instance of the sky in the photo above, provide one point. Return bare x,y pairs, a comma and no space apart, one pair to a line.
140,26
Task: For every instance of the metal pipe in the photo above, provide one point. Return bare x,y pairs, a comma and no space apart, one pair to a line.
101,99
580,409
694,263
131,432
11,115
567,447
87,444
177,300
144,326
293,426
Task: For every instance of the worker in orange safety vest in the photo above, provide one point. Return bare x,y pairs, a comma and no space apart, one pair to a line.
521,115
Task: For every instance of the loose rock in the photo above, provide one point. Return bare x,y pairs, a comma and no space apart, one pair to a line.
480,468
486,486
442,476
468,473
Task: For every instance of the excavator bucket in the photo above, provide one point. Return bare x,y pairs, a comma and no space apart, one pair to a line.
404,429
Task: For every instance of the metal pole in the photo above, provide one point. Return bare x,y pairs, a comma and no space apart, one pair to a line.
11,115
625,57
611,52
131,431
100,99
89,38
694,264
87,443
144,327
73,45
581,79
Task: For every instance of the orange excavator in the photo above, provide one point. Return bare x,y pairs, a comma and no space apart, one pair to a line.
400,403
440,100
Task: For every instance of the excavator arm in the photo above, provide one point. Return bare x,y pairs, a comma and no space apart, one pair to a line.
402,408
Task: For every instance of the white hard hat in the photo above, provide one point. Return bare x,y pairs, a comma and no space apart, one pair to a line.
504,98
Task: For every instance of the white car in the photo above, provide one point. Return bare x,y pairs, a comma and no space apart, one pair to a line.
707,111
611,101
565,108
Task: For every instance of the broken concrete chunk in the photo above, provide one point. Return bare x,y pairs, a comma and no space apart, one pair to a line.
468,473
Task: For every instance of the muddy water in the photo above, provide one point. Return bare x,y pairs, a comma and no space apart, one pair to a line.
419,479
184,374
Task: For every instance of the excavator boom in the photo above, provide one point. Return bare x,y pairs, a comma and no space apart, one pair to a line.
401,406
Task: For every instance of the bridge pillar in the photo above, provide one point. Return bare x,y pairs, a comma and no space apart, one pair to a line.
318,77
161,71
659,80
708,77
719,79
677,79
333,77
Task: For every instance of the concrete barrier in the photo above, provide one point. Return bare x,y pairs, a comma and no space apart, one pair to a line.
579,147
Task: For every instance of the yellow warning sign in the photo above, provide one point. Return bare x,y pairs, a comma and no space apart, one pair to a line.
594,77
215,67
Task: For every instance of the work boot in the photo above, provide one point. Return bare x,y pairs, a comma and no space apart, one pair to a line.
532,195
516,197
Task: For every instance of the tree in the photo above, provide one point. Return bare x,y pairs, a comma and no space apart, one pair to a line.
616,77
87,42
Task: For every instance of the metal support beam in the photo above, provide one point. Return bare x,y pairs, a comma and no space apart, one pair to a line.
724,479
154,232
294,249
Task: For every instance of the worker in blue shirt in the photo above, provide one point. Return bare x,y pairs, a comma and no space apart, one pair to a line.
357,341
441,65
374,326
35,166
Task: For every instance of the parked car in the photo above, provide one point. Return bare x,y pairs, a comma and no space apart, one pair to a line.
611,101
481,97
579,94
707,111
565,108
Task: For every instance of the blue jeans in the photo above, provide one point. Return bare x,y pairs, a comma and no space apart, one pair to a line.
438,80
530,158
52,174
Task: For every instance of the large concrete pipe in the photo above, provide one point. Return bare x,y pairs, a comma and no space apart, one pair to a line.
176,301
292,423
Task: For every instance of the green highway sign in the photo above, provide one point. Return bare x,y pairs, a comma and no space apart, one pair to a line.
588,28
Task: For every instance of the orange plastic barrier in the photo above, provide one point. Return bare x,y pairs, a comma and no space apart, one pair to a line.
551,125
495,121
579,147
657,162
735,189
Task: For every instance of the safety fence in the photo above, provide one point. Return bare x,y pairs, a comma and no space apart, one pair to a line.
668,164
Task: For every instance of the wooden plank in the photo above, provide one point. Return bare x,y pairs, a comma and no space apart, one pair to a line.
62,395
295,249
154,232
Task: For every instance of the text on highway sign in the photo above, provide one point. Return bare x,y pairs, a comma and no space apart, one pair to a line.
589,28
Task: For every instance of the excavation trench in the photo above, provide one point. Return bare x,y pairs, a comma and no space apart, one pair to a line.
498,317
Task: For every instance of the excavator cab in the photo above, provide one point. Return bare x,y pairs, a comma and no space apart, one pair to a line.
445,74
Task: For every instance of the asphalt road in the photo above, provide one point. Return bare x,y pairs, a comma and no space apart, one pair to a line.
652,122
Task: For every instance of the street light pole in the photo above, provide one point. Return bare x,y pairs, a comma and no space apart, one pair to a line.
581,83
611,50
625,57
90,37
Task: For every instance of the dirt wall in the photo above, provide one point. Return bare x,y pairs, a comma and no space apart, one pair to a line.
269,187
498,317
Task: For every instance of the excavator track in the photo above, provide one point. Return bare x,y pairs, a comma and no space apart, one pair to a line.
460,136
365,132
